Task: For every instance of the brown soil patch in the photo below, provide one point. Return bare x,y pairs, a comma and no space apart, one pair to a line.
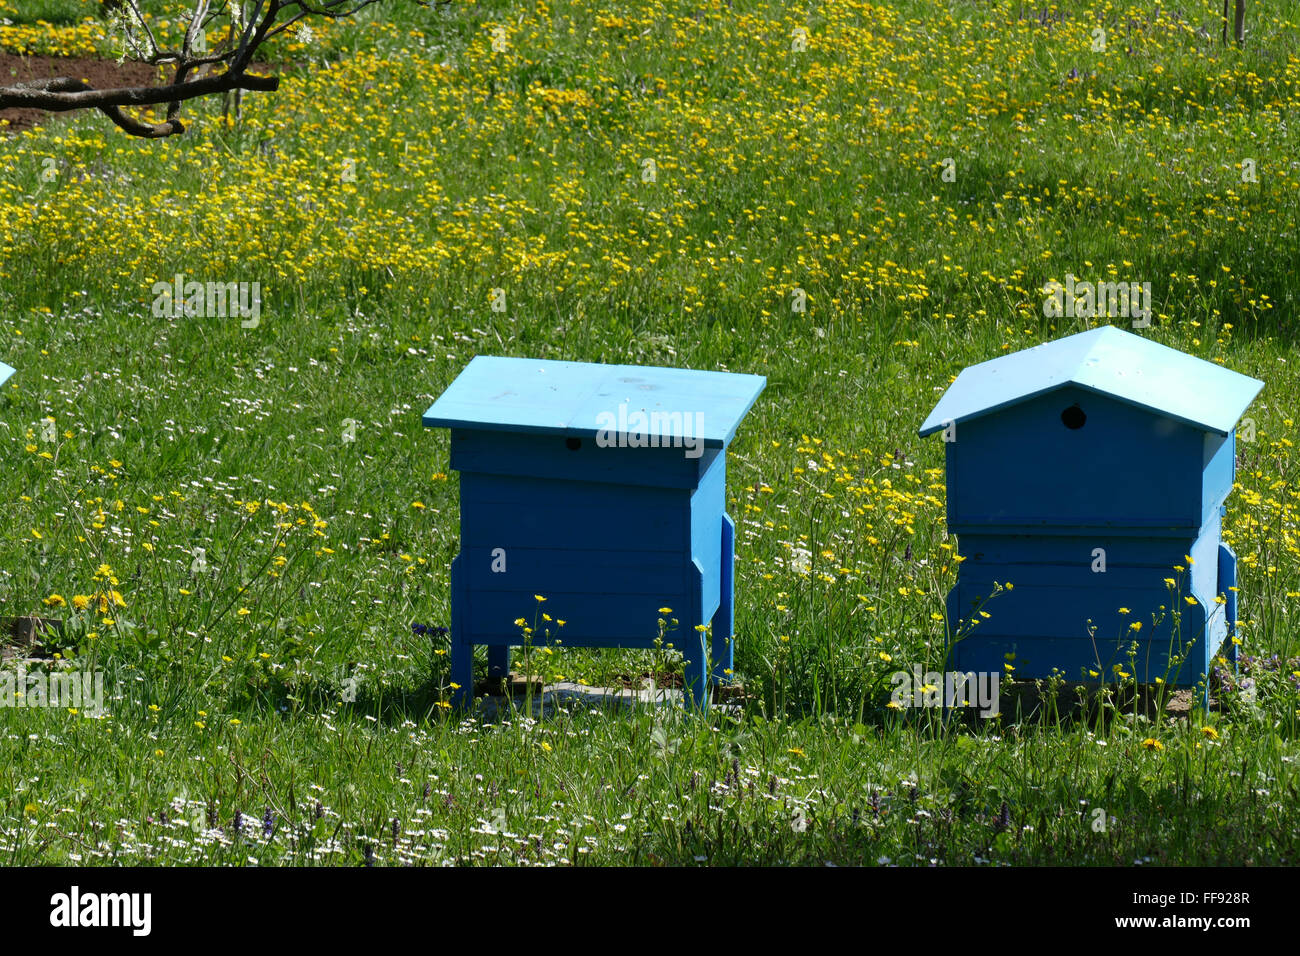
101,74
1026,699
24,637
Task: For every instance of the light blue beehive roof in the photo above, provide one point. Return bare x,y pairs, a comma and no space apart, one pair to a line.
5,372
1110,362
568,398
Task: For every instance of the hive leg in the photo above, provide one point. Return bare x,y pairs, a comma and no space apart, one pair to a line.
462,652
696,690
724,620
1227,581
499,661
692,645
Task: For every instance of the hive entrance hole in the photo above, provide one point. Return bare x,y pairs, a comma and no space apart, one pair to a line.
1073,417
573,444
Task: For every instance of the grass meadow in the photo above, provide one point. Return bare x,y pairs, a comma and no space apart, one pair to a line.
238,524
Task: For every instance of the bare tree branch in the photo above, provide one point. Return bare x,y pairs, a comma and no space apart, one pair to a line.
80,96
241,33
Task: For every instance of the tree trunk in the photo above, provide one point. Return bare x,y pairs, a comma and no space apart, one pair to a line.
1238,21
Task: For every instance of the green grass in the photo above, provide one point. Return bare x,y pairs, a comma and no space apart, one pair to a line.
777,170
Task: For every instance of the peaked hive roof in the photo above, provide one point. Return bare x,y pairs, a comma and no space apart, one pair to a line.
1110,362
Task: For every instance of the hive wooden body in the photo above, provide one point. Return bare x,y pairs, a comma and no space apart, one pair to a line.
1140,483
608,534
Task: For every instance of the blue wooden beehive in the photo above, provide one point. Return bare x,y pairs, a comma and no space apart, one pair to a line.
601,488
1100,445
5,372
